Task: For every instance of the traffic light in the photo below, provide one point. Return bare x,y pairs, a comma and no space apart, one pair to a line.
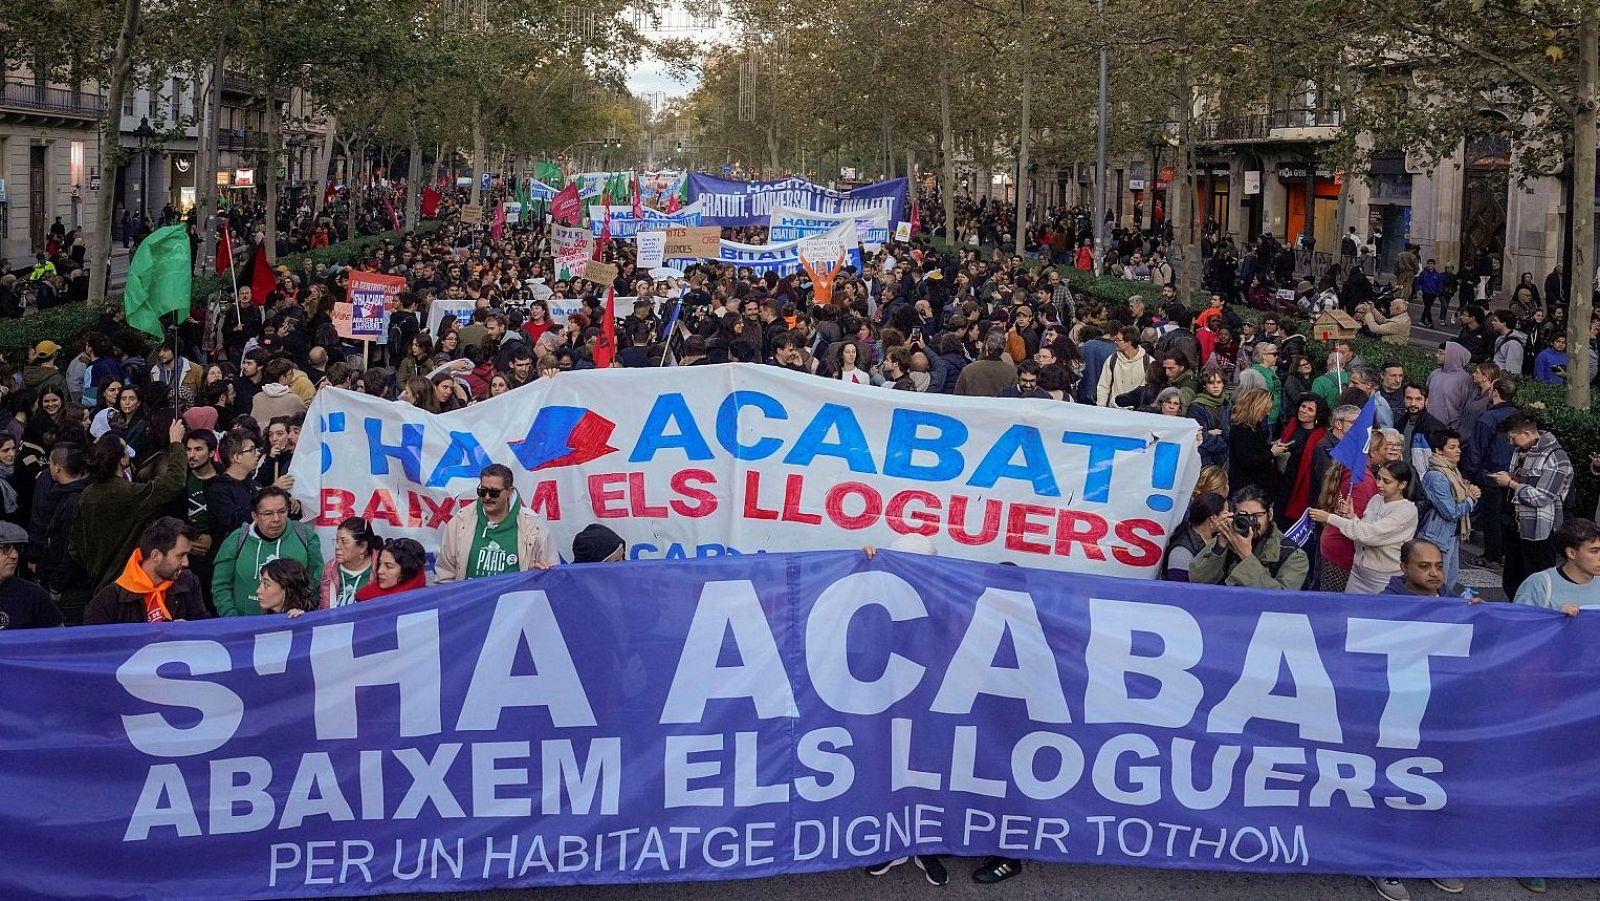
614,143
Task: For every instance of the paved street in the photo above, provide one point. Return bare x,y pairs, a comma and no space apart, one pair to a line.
1038,883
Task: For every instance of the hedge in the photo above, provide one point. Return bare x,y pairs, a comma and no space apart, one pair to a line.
66,324
1577,430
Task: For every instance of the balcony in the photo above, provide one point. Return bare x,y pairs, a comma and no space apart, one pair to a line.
1278,125
42,101
246,85
1235,128
242,139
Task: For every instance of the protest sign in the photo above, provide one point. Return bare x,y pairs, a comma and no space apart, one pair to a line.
471,213
902,231
371,300
650,249
792,223
624,224
752,716
827,249
341,319
461,308
600,273
697,243
740,459
784,258
728,203
570,246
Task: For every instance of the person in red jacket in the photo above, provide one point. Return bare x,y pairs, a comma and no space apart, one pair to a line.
400,569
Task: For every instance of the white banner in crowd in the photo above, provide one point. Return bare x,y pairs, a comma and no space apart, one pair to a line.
789,223
740,459
782,257
650,248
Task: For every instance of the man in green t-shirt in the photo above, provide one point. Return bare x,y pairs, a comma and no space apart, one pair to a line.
492,536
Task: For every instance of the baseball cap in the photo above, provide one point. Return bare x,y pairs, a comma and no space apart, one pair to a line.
46,349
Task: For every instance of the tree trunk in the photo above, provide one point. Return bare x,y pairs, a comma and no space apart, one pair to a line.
274,148
1022,147
350,211
110,149
478,150
204,197
413,182
1583,177
1186,260
209,211
947,168
772,148
325,172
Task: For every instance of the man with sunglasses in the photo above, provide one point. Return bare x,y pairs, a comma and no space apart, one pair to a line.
486,539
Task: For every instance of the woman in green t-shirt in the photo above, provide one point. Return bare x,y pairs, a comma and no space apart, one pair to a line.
355,560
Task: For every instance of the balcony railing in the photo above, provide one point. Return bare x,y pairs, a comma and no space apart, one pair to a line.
1331,117
1235,128
242,138
29,95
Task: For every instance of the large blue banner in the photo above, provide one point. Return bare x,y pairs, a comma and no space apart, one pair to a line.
777,713
729,203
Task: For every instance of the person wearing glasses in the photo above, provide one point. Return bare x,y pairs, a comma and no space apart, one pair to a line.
269,536
1249,551
228,494
485,539
1027,384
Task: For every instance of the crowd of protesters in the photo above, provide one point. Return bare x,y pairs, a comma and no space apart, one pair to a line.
151,483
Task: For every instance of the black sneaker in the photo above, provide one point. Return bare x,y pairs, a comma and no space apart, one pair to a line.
996,869
880,869
933,868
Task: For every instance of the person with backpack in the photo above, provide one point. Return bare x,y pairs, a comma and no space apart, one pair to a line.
269,536
1249,551
1510,345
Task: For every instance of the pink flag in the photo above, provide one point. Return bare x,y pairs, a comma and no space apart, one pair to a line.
499,224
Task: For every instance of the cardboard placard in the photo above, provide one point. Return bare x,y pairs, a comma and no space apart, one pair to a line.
651,249
600,273
471,213
372,299
693,242
341,319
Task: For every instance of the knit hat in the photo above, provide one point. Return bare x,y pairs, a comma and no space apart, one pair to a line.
201,418
594,544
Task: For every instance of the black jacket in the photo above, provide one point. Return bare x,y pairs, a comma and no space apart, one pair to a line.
228,502
115,604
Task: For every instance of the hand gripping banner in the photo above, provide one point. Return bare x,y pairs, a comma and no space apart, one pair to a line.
783,713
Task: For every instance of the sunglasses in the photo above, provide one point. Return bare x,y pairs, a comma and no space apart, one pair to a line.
490,492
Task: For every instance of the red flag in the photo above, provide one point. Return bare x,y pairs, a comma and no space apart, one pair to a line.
258,275
224,251
605,348
498,227
430,202
329,193
916,218
638,202
605,233
393,216
673,205
566,207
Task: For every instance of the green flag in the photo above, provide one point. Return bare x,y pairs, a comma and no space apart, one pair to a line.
550,173
525,198
158,280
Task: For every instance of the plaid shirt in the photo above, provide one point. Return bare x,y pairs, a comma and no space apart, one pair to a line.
1543,474
1061,298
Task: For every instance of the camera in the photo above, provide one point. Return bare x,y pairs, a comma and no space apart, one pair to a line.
1244,523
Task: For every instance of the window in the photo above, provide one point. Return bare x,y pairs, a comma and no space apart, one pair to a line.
127,102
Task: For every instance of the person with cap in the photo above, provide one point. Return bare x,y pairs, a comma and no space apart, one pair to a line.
485,539
41,371
23,604
598,544
155,585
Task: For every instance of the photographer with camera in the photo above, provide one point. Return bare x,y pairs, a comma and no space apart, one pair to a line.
1249,551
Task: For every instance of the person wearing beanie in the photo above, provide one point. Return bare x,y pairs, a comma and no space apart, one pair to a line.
598,544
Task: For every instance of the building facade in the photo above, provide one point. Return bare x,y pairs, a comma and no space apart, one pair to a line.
49,161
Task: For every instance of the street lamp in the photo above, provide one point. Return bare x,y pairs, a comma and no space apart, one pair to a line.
144,133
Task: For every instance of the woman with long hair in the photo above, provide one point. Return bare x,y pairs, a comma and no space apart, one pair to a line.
354,564
399,569
46,414
285,587
849,365
1336,553
1390,520
1250,460
420,392
1296,450
1449,499
1298,379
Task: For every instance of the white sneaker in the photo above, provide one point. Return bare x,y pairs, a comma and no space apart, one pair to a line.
1449,884
1390,889
882,868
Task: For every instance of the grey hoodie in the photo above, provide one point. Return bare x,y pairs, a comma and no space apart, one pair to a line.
1451,386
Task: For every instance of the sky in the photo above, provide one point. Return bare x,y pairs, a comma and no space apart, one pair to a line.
651,73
